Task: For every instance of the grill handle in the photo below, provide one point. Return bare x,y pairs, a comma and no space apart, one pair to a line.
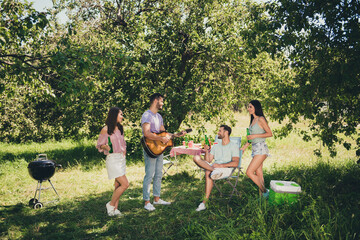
41,156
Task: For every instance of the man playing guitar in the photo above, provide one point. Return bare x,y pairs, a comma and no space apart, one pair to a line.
152,122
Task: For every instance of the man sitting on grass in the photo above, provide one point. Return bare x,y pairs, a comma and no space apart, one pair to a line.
226,157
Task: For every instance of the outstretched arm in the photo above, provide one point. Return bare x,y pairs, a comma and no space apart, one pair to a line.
245,146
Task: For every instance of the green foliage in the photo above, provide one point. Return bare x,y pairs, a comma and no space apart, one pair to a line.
21,58
58,81
322,42
120,52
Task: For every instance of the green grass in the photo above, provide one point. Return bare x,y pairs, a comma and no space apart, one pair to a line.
329,207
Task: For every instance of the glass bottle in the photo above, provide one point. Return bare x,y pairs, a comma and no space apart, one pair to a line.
247,134
110,145
207,141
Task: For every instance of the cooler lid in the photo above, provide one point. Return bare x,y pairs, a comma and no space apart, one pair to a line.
285,186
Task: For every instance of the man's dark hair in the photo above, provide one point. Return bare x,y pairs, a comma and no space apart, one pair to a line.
155,96
226,128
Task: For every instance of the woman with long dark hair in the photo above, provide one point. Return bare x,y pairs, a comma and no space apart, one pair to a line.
111,141
259,130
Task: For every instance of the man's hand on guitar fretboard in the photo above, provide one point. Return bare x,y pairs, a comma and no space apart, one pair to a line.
179,134
183,133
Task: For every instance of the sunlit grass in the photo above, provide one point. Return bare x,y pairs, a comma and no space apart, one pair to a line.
328,208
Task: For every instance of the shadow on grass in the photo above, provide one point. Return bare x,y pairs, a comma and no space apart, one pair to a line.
85,218
86,155
327,209
329,182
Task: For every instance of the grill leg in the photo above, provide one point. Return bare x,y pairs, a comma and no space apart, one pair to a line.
37,188
53,188
40,190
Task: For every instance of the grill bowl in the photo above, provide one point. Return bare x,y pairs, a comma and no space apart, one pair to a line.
42,169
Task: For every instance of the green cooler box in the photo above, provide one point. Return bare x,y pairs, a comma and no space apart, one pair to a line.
283,192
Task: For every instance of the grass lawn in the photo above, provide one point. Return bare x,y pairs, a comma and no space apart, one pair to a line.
328,208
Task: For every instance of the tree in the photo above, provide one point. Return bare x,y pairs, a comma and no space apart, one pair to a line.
322,40
199,54
194,53
22,62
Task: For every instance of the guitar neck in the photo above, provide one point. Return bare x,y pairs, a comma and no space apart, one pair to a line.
179,133
175,135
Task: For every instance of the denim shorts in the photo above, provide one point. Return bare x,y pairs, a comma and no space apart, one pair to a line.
260,148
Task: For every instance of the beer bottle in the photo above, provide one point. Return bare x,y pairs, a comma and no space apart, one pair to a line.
247,134
110,145
207,141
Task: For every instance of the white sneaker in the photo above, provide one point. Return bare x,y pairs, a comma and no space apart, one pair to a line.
117,213
110,209
201,207
149,207
161,202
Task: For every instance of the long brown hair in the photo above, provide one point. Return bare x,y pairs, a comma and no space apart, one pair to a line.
111,121
258,110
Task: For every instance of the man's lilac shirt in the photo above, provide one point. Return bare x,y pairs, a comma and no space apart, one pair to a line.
155,121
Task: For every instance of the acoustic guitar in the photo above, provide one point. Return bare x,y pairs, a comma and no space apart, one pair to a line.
155,148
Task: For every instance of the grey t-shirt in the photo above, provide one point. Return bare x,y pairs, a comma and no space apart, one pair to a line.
225,153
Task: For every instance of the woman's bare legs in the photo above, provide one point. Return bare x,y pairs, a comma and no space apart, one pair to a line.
121,184
255,173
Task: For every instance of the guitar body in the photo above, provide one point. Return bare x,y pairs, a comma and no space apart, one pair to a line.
155,148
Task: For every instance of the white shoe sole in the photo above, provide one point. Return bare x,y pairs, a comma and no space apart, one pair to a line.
167,203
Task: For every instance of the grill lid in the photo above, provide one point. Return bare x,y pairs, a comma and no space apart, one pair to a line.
42,168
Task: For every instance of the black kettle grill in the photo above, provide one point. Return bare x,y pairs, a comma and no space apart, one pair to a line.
41,169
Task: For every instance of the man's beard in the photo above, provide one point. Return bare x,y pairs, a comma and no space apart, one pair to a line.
220,137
